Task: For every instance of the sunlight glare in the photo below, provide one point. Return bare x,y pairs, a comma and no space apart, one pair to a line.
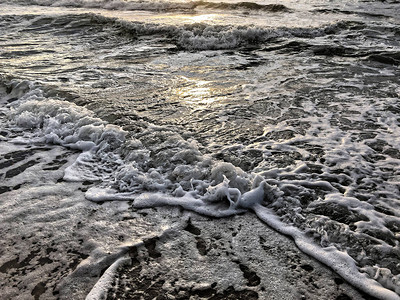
204,18
197,93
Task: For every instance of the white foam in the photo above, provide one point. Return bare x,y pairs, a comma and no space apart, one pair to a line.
203,36
100,289
339,261
225,191
61,122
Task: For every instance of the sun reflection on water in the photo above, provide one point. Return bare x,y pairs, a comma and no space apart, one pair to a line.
198,92
203,18
189,18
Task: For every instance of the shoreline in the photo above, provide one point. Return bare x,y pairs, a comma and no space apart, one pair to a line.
57,244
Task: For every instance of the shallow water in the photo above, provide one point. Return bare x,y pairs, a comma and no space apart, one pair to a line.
290,110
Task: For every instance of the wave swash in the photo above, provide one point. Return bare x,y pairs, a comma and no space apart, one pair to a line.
286,113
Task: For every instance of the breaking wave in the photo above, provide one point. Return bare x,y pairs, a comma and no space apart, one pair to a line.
200,36
197,36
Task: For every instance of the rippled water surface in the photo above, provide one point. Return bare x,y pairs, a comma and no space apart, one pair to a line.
289,109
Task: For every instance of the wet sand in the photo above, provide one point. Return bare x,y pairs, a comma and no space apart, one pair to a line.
58,245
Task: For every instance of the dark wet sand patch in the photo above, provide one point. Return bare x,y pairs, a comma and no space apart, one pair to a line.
18,170
55,165
15,157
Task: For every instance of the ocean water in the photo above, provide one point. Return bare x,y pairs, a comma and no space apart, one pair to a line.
289,110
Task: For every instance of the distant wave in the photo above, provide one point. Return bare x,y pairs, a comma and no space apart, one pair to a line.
152,5
244,5
201,36
193,37
348,12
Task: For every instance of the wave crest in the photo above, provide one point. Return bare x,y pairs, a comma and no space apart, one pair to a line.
200,36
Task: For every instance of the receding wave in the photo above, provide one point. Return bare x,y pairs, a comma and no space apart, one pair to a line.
169,170
154,5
